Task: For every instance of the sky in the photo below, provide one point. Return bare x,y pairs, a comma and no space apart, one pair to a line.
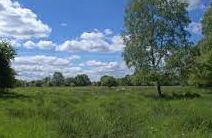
73,36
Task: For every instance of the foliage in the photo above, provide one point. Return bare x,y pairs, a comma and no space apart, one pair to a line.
58,79
70,82
7,74
202,68
82,80
108,81
47,81
207,25
155,31
136,79
125,81
20,83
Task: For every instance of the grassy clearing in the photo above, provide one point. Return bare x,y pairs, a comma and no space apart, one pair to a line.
130,112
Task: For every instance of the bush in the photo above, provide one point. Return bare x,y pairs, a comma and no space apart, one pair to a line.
82,80
109,81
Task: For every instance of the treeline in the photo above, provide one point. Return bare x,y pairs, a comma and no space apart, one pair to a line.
58,80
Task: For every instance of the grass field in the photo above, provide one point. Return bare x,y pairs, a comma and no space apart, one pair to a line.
131,112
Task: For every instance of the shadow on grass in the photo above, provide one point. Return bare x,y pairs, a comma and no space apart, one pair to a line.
12,95
209,92
175,96
208,89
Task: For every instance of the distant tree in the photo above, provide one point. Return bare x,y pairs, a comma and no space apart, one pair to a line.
20,83
46,82
70,82
202,68
97,83
155,30
82,80
125,81
49,84
58,79
39,83
31,84
7,74
108,81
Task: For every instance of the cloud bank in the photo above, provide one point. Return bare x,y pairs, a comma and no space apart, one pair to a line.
17,22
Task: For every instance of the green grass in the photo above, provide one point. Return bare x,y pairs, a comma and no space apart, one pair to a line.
128,112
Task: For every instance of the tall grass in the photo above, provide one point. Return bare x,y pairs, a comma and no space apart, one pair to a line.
130,112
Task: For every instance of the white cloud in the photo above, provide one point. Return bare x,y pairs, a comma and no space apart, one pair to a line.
20,23
15,43
39,60
99,68
39,45
108,32
194,4
92,35
195,28
64,24
95,41
95,63
117,43
37,67
74,57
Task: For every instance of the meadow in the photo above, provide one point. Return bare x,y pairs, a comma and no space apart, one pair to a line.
100,112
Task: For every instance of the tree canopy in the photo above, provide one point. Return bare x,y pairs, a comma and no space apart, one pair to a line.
82,80
58,79
108,81
7,74
155,31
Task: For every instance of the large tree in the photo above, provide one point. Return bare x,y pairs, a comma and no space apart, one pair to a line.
155,31
7,74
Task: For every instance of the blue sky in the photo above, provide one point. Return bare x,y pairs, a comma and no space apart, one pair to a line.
78,15
72,36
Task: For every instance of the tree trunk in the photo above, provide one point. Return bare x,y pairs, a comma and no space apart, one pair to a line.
158,87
